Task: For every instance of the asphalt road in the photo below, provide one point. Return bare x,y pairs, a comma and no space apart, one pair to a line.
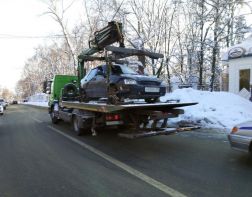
40,159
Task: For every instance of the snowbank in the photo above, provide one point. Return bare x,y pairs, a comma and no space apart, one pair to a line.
41,104
215,109
39,99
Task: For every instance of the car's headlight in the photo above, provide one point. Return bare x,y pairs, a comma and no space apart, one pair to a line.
129,81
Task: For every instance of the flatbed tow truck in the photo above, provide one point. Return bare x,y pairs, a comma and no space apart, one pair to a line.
133,119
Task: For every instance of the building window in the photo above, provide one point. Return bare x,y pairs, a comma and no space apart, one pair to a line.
244,79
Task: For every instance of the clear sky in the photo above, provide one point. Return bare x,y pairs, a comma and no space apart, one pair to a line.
19,20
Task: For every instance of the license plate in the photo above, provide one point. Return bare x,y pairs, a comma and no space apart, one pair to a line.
151,89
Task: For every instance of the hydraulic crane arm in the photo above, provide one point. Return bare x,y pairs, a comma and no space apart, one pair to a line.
108,35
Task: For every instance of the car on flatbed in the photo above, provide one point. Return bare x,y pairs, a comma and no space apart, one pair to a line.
124,81
240,137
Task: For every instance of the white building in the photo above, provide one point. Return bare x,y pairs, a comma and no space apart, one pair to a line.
239,61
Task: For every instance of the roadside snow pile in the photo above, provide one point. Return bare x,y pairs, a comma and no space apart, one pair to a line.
39,99
214,109
41,104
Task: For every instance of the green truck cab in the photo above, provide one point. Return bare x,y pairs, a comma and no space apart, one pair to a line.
56,88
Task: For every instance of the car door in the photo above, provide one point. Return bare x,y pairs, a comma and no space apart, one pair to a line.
102,82
88,83
99,84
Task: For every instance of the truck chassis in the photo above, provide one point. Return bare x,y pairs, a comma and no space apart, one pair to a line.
134,120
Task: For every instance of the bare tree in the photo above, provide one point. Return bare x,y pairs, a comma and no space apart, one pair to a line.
57,10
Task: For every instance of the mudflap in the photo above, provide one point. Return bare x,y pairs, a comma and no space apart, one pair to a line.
150,133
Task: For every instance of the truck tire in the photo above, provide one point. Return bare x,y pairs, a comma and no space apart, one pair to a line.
54,118
76,126
69,92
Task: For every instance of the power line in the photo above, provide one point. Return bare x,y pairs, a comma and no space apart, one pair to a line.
12,36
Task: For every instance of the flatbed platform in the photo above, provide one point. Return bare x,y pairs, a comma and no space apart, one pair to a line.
107,108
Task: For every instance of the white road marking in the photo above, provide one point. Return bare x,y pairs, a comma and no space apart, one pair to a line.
39,121
162,187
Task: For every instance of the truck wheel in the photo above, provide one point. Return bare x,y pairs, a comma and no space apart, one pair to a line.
54,118
76,126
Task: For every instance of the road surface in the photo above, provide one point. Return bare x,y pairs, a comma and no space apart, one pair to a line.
41,159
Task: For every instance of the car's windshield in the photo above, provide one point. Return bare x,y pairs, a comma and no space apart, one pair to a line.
121,69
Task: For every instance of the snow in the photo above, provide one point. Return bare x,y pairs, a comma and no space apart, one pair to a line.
246,44
41,104
221,110
39,99
214,109
138,43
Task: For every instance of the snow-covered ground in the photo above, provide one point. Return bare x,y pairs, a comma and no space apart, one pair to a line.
214,109
40,99
41,104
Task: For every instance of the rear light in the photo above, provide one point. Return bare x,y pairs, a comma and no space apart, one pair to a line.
234,130
113,117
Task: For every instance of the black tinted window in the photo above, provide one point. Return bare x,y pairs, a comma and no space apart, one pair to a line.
116,70
119,69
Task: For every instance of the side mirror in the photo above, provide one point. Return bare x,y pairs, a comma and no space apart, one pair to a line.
48,90
44,86
47,87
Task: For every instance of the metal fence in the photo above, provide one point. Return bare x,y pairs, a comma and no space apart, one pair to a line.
205,87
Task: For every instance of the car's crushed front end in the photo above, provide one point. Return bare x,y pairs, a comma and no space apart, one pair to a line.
241,137
141,87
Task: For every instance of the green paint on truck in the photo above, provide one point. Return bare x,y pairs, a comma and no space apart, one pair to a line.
58,83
